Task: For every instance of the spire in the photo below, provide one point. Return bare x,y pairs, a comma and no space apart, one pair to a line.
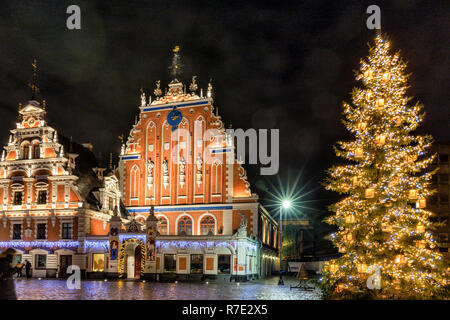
110,161
19,116
176,67
34,85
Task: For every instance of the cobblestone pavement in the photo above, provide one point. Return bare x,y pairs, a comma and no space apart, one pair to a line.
265,289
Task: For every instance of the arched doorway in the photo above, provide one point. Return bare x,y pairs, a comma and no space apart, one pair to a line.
133,260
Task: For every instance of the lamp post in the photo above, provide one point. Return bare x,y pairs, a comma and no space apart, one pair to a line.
286,205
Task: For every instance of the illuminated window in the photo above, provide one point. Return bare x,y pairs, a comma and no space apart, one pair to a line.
207,225
98,262
162,226
185,225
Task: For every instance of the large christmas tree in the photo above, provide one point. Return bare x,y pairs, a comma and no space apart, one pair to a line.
383,227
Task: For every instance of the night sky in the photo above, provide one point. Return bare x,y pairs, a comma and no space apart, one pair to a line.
286,65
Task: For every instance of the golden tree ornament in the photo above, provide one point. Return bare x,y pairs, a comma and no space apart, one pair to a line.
369,193
413,194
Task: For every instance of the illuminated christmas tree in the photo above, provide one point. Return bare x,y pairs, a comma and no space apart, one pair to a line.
383,227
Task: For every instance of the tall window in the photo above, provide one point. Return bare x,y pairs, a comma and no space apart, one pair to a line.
41,261
42,197
17,231
26,152
216,178
185,225
36,151
134,182
66,230
41,231
163,230
17,197
207,225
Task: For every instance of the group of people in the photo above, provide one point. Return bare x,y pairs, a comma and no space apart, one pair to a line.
18,269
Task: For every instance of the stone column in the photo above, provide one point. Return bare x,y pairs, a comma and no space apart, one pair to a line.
150,246
115,223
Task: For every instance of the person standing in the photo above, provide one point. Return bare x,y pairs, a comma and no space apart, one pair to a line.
19,268
28,269
7,290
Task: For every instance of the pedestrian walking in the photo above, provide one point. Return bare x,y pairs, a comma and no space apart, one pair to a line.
28,269
7,290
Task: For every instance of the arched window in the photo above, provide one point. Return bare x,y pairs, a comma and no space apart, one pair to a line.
36,151
134,182
162,226
207,224
216,177
26,151
185,225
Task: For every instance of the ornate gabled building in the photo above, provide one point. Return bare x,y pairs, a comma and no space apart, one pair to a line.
50,198
179,159
193,214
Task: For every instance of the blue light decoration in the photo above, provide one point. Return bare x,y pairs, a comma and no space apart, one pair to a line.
124,237
165,244
97,244
174,118
39,244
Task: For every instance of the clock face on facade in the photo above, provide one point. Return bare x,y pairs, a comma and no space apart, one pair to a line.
31,121
174,118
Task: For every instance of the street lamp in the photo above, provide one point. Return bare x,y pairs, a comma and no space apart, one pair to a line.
286,205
